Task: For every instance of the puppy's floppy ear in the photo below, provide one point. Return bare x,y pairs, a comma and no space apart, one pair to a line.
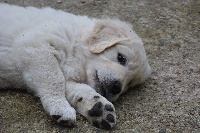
105,36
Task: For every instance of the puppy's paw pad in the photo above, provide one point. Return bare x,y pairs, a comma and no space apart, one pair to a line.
68,123
105,125
110,118
109,107
102,124
102,115
96,110
96,124
56,117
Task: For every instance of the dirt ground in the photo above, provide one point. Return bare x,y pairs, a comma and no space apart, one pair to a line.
169,102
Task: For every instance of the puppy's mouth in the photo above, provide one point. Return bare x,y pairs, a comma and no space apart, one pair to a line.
107,88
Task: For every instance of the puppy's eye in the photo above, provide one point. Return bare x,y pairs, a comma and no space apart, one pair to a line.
121,59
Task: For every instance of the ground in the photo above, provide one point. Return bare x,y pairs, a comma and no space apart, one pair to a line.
168,102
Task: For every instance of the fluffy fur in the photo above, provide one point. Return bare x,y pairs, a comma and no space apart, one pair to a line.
70,62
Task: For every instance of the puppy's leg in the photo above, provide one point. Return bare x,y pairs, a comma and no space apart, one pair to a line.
43,75
97,109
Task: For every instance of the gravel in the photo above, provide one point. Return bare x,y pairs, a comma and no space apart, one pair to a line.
168,102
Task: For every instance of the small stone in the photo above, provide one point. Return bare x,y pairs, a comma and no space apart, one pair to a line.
163,130
163,42
154,77
83,2
59,1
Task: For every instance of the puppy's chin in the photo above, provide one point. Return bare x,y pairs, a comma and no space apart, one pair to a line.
113,98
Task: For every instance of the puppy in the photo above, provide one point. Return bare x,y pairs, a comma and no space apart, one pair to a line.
72,63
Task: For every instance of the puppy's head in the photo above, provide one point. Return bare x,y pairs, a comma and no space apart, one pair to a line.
119,59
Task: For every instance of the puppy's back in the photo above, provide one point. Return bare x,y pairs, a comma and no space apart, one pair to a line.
15,19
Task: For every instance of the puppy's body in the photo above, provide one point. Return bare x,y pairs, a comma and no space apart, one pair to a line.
45,29
61,56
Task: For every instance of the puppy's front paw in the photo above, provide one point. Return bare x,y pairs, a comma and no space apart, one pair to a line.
65,116
102,115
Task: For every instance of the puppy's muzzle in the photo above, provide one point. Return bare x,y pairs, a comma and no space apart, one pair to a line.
109,89
116,87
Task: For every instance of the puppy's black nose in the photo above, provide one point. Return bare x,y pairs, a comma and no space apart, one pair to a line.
117,87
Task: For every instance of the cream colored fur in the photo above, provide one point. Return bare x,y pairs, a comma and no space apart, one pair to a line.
58,55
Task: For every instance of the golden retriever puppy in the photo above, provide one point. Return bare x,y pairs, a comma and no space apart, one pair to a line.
72,63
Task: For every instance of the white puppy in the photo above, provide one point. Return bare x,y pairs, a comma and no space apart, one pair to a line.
70,62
